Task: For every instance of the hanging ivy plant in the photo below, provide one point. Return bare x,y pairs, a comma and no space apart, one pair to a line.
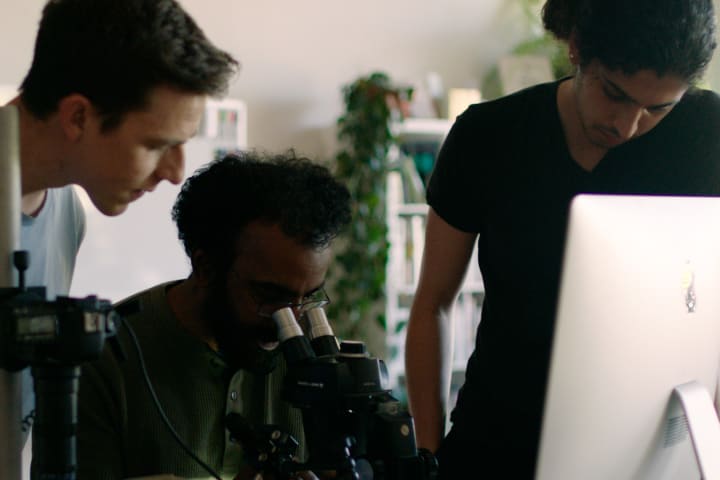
358,276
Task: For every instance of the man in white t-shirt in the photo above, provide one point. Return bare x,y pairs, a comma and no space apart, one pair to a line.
115,89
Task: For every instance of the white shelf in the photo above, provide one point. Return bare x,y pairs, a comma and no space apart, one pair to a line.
225,122
410,209
406,234
421,129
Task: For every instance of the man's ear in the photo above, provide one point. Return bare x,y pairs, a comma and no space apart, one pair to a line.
573,50
75,113
202,267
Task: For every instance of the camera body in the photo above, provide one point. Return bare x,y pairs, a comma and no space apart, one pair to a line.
66,331
53,338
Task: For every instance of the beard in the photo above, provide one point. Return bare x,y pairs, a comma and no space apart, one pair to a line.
238,341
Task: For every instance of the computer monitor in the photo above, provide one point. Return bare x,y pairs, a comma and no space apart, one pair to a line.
638,315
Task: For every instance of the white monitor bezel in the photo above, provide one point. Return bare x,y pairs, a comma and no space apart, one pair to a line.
604,376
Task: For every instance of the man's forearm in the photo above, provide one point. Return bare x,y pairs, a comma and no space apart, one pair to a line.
428,378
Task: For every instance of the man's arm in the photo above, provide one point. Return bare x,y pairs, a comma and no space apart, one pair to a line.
428,349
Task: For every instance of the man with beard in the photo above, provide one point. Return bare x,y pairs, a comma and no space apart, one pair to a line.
258,230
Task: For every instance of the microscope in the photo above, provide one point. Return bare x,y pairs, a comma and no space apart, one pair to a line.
353,424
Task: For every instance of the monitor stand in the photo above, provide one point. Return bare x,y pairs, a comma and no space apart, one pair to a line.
703,425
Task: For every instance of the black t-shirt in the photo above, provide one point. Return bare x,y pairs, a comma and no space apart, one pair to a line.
505,173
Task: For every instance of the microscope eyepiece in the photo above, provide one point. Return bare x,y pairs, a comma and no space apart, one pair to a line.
287,325
296,347
323,339
319,325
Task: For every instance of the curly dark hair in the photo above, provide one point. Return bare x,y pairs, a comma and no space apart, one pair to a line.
115,52
220,199
665,36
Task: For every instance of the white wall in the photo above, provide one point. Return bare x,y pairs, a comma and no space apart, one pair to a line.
296,55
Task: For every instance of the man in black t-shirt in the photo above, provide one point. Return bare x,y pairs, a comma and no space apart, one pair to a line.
628,121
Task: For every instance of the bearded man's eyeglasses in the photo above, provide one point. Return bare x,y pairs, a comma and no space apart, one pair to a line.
266,307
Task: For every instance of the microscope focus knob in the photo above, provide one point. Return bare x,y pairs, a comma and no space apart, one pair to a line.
353,348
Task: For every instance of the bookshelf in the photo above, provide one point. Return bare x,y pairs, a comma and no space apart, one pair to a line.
406,220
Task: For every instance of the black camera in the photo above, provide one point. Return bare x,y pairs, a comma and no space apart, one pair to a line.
37,332
353,424
53,338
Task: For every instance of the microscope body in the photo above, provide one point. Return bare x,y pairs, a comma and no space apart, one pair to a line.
349,412
353,425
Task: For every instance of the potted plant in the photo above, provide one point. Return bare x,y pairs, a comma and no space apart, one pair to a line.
358,277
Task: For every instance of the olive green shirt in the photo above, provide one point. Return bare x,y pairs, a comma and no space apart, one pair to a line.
120,432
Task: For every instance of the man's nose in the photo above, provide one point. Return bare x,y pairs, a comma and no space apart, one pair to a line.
172,165
627,121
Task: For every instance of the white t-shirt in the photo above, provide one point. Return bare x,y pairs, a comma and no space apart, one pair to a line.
53,239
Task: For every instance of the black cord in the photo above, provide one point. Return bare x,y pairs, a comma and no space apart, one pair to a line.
159,407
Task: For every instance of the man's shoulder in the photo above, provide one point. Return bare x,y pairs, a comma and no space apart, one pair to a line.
703,95
493,125
542,92
147,307
700,104
151,294
525,107
60,207
692,123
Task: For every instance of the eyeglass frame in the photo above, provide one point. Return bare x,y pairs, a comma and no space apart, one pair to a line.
298,308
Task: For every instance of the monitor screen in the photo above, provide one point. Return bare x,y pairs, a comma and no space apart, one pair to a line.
638,314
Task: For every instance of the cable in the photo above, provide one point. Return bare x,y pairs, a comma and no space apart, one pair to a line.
165,420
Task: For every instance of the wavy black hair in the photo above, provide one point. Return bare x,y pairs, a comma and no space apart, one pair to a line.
666,36
115,52
220,199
